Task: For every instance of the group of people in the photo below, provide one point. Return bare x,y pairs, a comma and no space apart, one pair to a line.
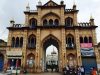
77,70
69,70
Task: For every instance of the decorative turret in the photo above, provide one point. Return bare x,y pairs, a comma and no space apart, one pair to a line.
74,5
62,2
40,3
28,7
53,52
92,20
12,22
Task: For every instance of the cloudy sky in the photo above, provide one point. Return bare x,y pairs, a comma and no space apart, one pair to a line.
14,9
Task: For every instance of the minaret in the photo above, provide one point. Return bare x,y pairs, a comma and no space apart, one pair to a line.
28,7
62,2
74,5
92,20
40,3
12,22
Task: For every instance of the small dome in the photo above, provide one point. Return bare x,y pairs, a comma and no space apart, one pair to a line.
53,52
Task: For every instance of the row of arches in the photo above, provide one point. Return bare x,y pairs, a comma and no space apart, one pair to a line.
31,60
17,42
86,39
51,22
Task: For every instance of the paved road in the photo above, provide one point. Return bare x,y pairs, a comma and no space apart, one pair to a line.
49,73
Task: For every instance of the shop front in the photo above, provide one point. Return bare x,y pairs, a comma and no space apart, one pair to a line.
14,60
88,59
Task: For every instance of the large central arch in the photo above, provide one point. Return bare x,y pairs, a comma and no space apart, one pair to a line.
50,40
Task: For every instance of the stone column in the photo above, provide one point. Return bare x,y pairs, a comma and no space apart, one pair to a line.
75,19
39,17
62,20
24,54
9,45
79,60
26,20
38,57
63,49
94,37
9,39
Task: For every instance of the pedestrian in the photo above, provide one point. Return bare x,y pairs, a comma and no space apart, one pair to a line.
67,70
75,70
79,70
94,72
82,70
64,71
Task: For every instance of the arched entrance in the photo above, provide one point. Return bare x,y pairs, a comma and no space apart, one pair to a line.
31,63
1,61
51,41
71,59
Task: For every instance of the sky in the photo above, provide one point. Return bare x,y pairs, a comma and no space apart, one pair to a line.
13,9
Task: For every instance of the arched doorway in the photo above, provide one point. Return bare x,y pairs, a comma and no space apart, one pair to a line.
54,63
71,59
31,63
1,61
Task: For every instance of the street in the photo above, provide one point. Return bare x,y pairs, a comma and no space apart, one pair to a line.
49,73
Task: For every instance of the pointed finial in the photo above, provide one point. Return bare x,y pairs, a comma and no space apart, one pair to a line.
27,7
74,5
91,17
74,2
40,3
12,22
62,2
92,20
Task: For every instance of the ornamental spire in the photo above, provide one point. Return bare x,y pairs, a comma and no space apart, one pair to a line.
74,5
28,7
40,3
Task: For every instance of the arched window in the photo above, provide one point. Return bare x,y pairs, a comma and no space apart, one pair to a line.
90,39
45,22
32,41
85,40
70,41
71,59
13,42
33,22
31,60
17,42
81,39
50,22
21,41
56,22
68,21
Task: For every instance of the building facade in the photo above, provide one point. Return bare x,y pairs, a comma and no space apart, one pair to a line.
3,46
52,58
52,24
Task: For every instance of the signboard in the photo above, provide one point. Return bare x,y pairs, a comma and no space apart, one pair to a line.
86,45
87,52
14,53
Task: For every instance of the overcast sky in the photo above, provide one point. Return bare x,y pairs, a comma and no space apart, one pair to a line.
14,9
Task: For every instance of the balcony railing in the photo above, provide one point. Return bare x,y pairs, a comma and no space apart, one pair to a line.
31,46
70,46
